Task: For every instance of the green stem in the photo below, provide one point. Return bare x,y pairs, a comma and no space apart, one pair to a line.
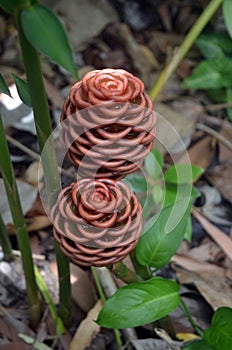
120,270
187,313
142,271
184,47
20,226
44,130
49,301
103,299
5,241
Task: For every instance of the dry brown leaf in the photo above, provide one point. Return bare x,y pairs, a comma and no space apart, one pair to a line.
87,329
205,148
179,136
224,152
193,265
37,223
16,346
220,177
82,289
205,252
223,241
212,285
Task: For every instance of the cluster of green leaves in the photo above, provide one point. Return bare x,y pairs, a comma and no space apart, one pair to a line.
214,74
219,335
148,301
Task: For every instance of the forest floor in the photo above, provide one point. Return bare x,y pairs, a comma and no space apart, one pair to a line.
140,39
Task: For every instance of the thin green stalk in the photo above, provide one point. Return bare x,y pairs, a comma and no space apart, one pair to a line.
44,130
5,242
49,301
120,270
187,313
142,271
103,299
184,47
20,226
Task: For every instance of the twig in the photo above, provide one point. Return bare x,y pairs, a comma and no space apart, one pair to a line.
216,134
218,106
34,154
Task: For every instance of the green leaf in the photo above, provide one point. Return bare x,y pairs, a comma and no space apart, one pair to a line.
23,90
217,95
219,335
221,40
157,194
154,164
46,34
156,246
229,100
206,76
140,303
227,13
198,345
182,173
8,5
177,192
214,53
137,183
3,86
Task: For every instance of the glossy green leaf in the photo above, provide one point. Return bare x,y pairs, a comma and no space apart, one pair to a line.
46,34
8,5
182,173
219,335
137,183
227,13
154,164
157,194
177,192
23,90
140,303
3,86
156,246
206,76
198,345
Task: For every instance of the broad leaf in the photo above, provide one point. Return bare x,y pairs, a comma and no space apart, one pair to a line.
137,183
157,245
140,303
3,86
182,173
158,194
213,52
177,192
46,34
153,164
206,76
221,40
198,345
8,5
23,90
227,13
219,335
